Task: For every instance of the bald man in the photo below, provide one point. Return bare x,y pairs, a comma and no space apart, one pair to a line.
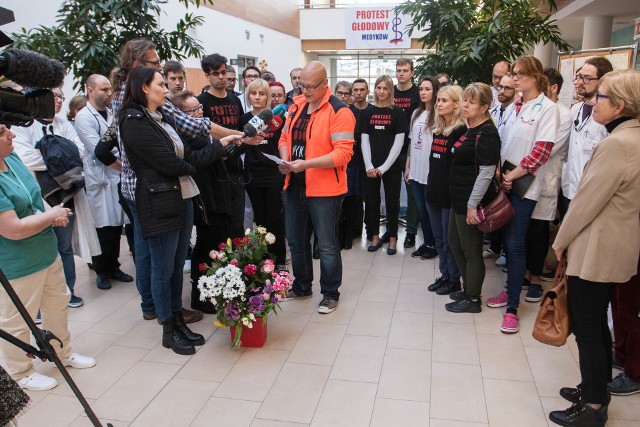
101,182
316,145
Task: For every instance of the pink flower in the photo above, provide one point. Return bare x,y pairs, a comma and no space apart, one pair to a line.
266,297
268,266
234,262
250,269
282,281
213,254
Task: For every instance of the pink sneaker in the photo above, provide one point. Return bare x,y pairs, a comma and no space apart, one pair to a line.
498,301
510,323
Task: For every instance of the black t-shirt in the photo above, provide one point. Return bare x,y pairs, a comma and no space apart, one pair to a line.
260,171
382,124
299,142
439,162
225,112
407,101
104,114
467,157
360,115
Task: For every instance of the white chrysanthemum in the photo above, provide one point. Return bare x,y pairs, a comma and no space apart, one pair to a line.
262,230
270,238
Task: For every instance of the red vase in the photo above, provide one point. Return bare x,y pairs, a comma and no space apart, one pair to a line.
252,337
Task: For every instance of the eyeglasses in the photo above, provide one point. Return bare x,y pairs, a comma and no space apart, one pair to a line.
505,88
586,79
277,95
600,96
58,97
217,73
518,75
343,94
232,79
251,77
193,110
310,88
154,63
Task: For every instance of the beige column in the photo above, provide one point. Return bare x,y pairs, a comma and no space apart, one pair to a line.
597,32
544,53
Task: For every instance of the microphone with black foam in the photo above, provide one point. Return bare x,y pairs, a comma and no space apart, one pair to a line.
31,69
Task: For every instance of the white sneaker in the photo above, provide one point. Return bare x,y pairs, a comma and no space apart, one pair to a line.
37,382
187,266
79,361
501,262
488,253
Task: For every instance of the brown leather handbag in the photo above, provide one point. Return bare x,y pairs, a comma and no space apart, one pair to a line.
553,323
498,212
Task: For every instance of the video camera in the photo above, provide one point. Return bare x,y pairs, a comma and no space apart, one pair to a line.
32,71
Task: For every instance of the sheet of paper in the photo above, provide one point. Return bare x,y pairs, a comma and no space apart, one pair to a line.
275,159
567,92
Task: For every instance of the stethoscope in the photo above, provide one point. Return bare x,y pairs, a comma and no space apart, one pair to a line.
502,120
576,123
538,104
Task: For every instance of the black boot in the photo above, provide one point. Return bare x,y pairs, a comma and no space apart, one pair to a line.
580,415
195,339
172,338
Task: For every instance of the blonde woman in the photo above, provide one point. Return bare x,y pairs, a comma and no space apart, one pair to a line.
383,133
449,127
264,181
474,158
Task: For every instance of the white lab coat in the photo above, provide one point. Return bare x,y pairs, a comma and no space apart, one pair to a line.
85,238
548,200
582,142
101,182
538,121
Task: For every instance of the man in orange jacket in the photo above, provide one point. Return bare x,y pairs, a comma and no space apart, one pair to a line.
316,145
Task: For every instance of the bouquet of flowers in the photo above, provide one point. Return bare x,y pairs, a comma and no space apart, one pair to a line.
242,281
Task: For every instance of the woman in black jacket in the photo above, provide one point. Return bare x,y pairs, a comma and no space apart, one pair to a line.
164,189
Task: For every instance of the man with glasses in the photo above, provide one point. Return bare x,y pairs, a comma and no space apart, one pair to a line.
506,95
225,109
586,134
343,92
500,69
249,74
316,145
232,80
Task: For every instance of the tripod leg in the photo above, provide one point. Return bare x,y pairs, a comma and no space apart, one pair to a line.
46,348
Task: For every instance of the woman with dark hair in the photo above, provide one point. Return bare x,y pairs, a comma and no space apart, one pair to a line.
474,158
531,133
382,139
163,193
417,166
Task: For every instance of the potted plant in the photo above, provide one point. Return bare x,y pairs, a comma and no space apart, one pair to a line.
243,284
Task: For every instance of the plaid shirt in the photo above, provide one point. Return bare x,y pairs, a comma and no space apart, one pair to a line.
185,124
541,150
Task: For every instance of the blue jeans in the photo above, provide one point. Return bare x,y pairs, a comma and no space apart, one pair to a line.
440,226
302,216
168,252
65,249
419,195
143,262
515,238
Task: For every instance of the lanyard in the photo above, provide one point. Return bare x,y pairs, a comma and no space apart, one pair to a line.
18,183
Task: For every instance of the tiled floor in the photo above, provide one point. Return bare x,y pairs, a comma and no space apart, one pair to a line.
390,355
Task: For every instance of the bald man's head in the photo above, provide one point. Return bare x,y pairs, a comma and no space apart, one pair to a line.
99,91
313,81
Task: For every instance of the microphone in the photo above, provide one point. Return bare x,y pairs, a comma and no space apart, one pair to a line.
275,124
31,69
280,110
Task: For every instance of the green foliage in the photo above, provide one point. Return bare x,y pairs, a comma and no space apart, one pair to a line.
468,37
89,34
